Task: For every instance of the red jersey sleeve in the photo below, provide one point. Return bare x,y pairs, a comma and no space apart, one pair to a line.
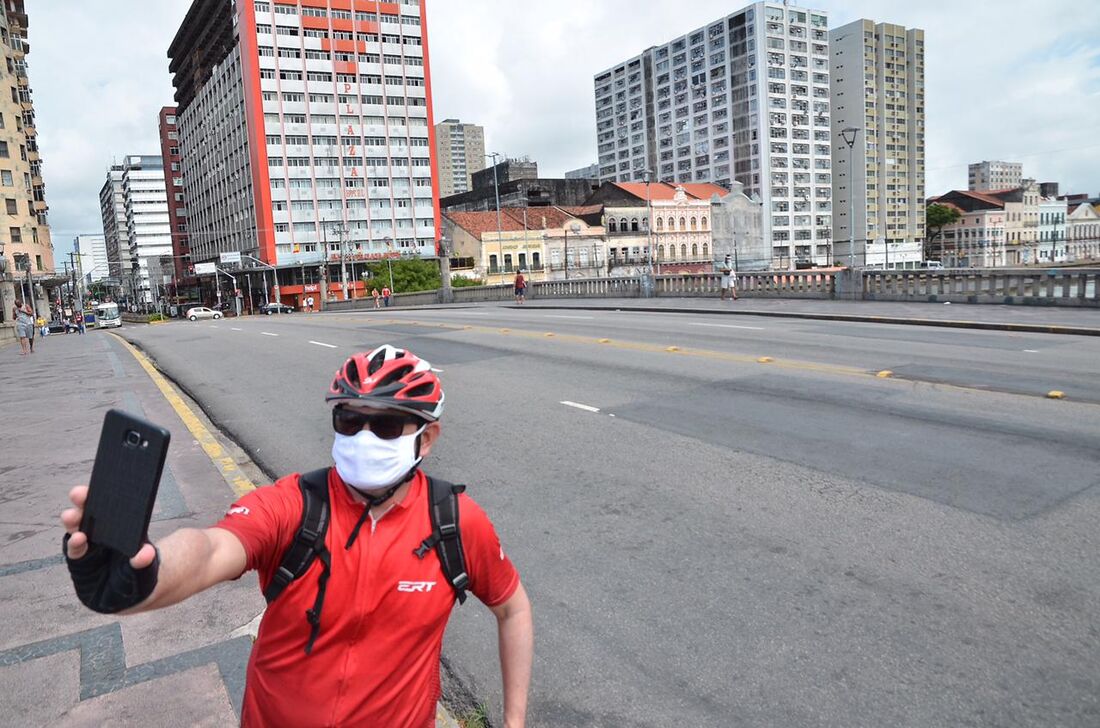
265,521
493,578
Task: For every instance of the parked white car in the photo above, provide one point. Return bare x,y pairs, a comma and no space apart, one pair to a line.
202,312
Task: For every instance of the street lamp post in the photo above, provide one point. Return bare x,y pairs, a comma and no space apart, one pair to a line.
849,136
496,191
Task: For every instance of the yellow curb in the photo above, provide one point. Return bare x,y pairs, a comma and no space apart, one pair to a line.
765,360
885,374
236,479
673,348
604,341
153,323
1056,394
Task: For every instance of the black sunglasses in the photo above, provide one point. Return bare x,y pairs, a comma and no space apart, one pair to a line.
386,426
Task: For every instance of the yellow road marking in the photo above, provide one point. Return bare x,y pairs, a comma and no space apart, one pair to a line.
765,360
226,465
1056,394
885,374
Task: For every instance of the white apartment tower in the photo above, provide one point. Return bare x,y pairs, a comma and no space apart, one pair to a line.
744,98
878,91
148,229
305,130
993,175
460,149
91,257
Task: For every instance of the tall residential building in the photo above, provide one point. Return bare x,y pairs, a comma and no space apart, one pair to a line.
26,230
460,149
299,120
986,176
878,90
147,226
173,180
91,258
112,208
744,98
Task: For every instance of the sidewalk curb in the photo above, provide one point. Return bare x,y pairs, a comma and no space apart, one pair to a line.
941,323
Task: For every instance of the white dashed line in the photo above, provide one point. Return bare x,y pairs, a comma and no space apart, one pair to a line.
320,343
235,328
1031,351
213,326
585,407
578,318
268,334
730,326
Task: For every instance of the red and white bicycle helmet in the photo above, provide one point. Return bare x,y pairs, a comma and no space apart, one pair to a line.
389,378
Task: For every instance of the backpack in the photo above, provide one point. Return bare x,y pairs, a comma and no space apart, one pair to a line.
309,542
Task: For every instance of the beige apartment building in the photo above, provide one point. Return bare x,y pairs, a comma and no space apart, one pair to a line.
25,234
877,72
994,175
460,151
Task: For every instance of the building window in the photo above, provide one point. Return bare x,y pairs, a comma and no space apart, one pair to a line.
4,150
13,208
611,227
661,226
5,178
703,226
694,226
683,226
684,251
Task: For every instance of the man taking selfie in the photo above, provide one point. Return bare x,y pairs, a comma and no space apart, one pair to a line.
361,565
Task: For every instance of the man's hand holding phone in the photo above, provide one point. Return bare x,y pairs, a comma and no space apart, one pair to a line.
106,580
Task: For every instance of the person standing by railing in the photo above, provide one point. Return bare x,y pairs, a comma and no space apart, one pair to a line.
521,287
729,278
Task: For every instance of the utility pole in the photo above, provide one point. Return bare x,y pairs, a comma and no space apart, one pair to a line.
496,190
849,136
340,230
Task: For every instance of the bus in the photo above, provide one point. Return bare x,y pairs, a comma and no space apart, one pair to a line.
107,315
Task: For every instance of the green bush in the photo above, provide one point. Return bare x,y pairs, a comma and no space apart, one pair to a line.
156,317
409,276
458,281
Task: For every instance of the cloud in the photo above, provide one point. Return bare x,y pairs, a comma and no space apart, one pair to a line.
1008,80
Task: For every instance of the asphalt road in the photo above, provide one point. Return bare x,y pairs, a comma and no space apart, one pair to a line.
730,541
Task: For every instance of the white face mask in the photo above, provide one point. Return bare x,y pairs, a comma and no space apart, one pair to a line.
367,462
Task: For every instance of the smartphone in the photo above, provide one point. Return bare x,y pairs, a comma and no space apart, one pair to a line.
124,483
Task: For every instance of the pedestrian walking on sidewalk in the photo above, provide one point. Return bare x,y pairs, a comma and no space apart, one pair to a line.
377,299
309,304
729,279
24,326
386,295
356,612
521,287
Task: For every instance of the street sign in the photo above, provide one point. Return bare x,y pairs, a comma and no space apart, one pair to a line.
232,257
206,269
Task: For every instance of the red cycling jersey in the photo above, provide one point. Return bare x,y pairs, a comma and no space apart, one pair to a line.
376,660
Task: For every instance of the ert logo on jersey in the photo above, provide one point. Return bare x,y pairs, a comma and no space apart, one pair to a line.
415,586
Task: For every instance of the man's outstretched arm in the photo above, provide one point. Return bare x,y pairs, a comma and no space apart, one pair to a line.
191,560
516,633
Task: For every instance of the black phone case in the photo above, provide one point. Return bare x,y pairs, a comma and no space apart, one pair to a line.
124,483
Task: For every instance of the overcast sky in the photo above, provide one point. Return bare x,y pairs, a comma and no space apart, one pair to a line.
1007,79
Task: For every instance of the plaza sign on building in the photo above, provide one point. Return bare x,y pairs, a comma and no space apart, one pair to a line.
231,258
206,269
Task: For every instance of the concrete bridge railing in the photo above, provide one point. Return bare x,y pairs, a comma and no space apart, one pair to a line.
1050,287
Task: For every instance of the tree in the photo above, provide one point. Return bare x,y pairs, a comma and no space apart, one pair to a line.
459,281
409,275
936,218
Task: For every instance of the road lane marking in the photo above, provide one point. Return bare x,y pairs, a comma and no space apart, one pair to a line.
213,326
232,474
585,407
730,326
265,333
576,318
321,343
234,328
1031,351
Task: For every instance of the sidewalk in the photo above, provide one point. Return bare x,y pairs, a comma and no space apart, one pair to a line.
1042,319
61,664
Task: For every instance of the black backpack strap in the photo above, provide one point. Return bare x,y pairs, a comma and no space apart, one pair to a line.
446,537
308,544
